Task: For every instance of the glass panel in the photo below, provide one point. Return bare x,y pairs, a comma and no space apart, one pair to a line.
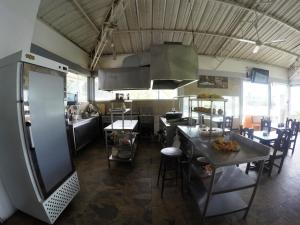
294,105
279,102
46,102
77,84
101,95
167,94
255,99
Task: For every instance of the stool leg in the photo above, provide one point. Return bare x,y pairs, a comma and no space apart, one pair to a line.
247,168
159,171
163,178
176,171
181,176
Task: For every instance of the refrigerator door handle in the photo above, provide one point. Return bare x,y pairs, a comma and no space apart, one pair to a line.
28,125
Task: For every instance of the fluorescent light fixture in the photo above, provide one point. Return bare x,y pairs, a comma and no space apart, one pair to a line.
256,48
246,40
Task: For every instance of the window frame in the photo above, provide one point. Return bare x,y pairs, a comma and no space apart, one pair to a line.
80,98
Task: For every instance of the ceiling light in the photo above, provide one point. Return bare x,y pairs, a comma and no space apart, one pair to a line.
256,48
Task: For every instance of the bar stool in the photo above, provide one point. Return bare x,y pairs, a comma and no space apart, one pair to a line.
169,156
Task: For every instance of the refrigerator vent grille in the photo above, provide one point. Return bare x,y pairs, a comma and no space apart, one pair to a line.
59,200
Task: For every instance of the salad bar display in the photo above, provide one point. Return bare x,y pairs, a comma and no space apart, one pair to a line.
206,106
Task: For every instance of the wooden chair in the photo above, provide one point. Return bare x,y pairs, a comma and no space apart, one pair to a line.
294,133
289,123
279,151
247,132
265,124
228,124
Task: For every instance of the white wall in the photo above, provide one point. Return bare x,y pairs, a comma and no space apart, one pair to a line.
17,23
17,19
240,66
47,38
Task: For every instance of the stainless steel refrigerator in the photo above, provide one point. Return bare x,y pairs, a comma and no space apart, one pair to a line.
35,161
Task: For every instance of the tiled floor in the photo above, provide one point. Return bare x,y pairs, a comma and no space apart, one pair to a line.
128,195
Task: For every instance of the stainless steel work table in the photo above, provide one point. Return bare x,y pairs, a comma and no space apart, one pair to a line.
219,194
127,125
121,125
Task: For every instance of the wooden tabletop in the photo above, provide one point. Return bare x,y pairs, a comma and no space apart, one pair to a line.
272,136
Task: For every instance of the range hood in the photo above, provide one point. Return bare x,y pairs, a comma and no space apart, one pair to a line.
124,78
172,66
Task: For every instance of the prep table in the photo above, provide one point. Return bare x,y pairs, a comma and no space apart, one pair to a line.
126,126
219,193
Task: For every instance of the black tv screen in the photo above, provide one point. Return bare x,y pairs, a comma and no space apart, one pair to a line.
259,76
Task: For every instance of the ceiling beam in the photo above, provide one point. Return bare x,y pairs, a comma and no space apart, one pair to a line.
86,16
207,34
268,15
118,7
237,25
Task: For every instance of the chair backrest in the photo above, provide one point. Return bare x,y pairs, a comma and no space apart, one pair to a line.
228,122
295,129
282,142
247,132
289,123
265,124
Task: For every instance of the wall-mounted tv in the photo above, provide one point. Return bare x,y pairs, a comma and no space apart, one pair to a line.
259,76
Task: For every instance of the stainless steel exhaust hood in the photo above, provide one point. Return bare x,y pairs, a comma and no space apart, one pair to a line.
172,66
124,78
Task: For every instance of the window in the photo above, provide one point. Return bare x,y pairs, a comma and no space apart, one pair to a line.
102,95
294,105
255,99
77,84
134,94
233,106
279,102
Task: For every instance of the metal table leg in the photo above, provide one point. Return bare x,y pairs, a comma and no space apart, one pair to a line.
261,167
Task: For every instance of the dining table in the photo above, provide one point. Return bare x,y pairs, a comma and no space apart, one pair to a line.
265,138
218,121
276,127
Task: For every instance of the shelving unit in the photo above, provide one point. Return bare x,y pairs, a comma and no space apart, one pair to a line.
189,97
215,198
211,115
120,110
126,127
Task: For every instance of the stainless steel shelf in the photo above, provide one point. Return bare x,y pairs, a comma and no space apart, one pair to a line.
218,204
126,126
209,99
207,114
120,111
229,180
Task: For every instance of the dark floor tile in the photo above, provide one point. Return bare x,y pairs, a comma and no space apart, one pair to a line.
126,194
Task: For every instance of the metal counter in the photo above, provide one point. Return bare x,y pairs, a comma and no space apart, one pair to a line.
219,193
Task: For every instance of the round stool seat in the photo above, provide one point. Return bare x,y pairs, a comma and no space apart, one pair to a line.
171,152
